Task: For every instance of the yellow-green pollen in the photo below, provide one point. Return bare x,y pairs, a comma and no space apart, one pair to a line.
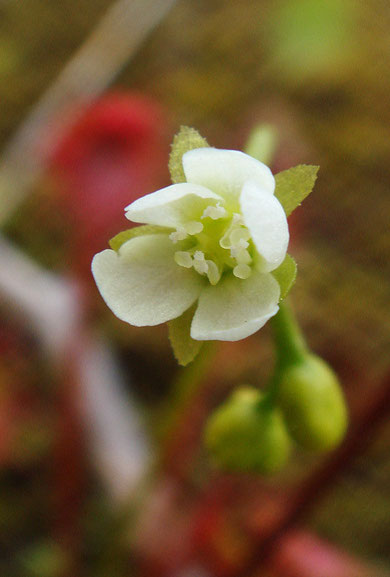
217,242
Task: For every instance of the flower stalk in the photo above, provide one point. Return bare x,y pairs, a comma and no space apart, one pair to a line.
290,348
289,340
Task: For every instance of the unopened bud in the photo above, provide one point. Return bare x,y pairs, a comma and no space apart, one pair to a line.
312,402
243,435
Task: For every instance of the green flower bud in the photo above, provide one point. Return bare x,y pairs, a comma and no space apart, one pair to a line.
244,435
312,402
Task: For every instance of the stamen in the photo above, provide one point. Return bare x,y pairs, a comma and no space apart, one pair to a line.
200,265
179,234
213,272
237,218
241,255
193,227
235,240
242,271
214,212
225,242
239,247
239,234
243,243
183,258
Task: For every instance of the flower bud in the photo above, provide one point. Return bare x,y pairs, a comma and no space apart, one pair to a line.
244,435
312,402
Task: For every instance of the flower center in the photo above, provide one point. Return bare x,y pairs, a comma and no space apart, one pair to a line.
218,242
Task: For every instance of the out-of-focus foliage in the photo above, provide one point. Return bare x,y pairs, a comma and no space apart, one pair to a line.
313,41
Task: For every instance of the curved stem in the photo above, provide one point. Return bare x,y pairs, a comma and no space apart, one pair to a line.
290,343
291,348
184,392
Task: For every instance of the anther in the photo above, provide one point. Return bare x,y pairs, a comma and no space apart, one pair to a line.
183,258
225,241
199,263
242,271
237,218
241,255
213,272
179,234
239,235
193,227
214,212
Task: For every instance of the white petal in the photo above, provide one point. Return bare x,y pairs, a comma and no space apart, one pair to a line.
267,222
171,206
142,284
226,171
235,308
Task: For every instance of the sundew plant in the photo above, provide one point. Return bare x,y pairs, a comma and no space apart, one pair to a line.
210,259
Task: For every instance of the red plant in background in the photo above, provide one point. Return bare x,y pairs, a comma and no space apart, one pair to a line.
116,152
24,421
301,554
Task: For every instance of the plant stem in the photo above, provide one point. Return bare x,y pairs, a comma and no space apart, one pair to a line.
290,343
183,393
291,348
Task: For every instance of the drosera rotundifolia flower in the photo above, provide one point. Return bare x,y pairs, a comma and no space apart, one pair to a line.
214,243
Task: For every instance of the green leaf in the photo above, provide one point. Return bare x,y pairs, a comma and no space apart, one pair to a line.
285,275
186,139
294,185
122,237
184,347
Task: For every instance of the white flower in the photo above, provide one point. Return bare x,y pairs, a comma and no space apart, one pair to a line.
225,233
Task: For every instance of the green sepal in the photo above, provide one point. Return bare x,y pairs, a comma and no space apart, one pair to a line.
184,347
286,274
122,237
294,185
186,139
